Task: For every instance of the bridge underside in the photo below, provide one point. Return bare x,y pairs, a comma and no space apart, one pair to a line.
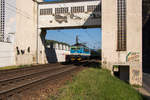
77,27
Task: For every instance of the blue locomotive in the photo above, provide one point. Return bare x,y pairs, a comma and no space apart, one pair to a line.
78,52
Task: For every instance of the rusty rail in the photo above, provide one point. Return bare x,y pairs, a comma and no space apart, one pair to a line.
15,85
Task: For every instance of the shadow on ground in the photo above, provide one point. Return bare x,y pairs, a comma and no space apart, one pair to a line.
89,64
145,97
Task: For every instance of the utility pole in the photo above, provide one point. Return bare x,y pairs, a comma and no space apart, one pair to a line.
77,39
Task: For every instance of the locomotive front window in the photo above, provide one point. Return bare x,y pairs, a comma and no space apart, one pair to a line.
78,48
86,50
73,48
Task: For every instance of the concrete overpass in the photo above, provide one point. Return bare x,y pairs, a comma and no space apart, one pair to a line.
56,15
121,31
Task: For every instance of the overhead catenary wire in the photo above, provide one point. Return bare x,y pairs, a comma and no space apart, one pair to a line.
62,35
65,34
90,36
91,44
19,13
95,43
19,10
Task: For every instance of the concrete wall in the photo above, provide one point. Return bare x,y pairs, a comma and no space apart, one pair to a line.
55,54
7,57
26,32
133,55
59,57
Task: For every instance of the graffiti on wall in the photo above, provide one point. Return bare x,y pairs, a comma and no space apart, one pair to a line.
75,17
60,19
64,18
133,57
135,75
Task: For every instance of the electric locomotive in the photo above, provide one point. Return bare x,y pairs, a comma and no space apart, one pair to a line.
78,52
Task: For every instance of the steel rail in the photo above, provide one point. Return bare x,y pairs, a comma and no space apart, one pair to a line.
51,76
9,82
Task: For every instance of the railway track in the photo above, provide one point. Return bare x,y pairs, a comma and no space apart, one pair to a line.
14,72
26,78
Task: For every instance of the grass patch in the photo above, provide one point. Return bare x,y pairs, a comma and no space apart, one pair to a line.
8,67
14,67
97,84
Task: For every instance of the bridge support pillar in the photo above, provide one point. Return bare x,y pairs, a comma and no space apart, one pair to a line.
122,39
41,55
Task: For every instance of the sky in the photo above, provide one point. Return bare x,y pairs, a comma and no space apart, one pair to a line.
10,13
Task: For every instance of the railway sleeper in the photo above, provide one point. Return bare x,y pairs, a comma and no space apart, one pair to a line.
28,79
44,80
29,74
38,81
